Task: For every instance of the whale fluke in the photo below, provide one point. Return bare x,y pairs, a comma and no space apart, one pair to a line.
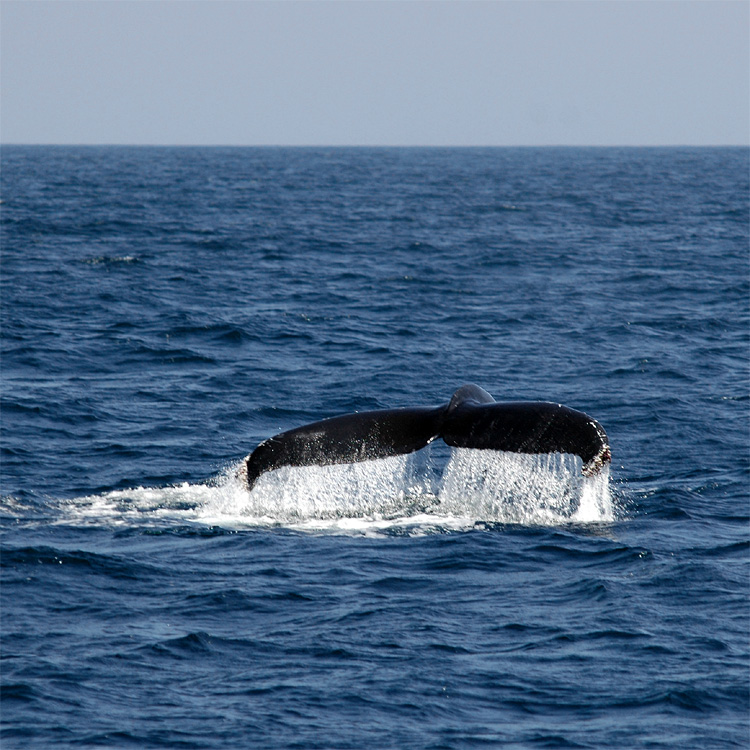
471,419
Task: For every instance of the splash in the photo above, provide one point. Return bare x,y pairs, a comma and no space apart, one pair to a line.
525,489
474,486
385,488
429,490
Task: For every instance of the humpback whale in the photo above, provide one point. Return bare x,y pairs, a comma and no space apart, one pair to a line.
471,419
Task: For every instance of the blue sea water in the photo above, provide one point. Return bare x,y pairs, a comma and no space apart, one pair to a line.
165,309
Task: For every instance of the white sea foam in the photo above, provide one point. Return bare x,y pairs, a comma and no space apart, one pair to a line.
385,495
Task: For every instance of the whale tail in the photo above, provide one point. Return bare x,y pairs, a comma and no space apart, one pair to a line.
471,419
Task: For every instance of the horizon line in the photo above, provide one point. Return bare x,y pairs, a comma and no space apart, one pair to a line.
367,145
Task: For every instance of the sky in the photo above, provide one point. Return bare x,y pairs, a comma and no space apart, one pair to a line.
352,72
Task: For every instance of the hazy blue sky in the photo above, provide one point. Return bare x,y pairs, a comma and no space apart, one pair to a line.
411,73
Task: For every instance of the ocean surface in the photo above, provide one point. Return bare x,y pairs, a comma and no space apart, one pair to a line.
166,309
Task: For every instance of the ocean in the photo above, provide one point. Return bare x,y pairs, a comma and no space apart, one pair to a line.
164,310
